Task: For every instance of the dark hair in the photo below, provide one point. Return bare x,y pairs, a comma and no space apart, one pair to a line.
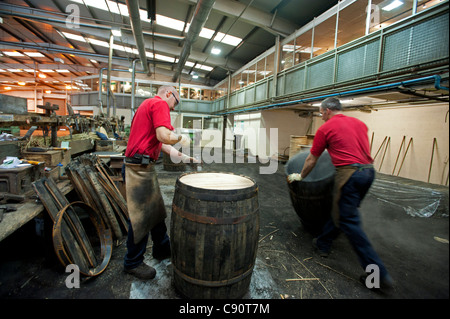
331,103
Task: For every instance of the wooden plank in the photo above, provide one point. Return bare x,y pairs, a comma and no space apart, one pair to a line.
105,203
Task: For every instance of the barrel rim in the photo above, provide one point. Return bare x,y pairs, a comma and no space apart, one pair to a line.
180,184
325,154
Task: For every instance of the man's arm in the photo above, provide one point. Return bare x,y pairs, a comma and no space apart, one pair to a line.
310,162
172,151
166,136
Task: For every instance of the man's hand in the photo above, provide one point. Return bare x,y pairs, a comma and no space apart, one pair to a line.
184,140
187,159
294,177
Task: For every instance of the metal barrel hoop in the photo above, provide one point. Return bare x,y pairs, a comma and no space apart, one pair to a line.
105,236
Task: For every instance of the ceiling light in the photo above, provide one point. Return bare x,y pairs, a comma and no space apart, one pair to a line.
98,42
62,71
392,5
215,51
42,75
48,91
21,83
68,87
204,67
169,22
116,32
194,76
7,88
75,37
34,54
12,53
122,9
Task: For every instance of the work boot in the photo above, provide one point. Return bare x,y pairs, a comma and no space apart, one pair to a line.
143,272
386,283
322,253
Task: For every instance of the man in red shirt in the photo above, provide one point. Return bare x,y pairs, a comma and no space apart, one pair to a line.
151,132
347,142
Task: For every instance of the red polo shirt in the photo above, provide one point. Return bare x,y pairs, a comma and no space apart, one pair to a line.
346,140
151,114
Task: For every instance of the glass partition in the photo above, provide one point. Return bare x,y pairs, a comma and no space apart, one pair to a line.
386,12
303,47
287,55
324,36
352,22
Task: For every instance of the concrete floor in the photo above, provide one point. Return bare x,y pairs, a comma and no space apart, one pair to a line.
414,250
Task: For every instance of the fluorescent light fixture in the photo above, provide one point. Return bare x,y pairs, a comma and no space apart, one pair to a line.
215,51
62,71
231,40
1,70
14,70
46,70
394,4
204,67
164,58
116,32
194,76
98,42
12,53
75,37
169,22
122,9
34,54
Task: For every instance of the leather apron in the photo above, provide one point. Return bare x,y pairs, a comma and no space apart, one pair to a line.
343,174
145,204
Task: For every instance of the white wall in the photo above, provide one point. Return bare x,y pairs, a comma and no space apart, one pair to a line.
422,123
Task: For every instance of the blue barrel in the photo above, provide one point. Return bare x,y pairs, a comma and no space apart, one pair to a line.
313,196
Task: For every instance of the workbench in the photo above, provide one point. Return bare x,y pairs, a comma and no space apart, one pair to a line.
26,211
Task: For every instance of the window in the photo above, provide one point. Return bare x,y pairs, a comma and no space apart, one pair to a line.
386,12
260,69
270,64
324,36
352,22
424,4
287,55
303,47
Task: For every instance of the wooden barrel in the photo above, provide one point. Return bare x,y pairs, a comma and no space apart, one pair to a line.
214,234
170,166
312,198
